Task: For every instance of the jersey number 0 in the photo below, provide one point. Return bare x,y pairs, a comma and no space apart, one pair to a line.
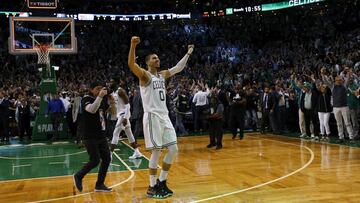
162,96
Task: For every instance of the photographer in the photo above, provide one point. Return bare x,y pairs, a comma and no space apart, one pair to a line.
94,138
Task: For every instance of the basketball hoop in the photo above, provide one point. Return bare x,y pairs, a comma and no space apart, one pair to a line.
43,51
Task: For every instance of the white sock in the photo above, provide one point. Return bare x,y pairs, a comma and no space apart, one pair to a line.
152,180
163,175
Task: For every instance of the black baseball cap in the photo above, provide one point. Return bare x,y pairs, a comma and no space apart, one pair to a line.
95,84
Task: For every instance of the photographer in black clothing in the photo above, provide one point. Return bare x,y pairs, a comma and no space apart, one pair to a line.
94,137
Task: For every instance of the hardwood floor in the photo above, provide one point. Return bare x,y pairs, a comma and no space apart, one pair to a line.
260,168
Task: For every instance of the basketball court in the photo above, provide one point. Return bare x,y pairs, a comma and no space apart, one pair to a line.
260,168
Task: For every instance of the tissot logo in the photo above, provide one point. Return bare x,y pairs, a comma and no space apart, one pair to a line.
45,4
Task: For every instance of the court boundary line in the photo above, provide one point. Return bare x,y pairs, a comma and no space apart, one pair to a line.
268,182
310,141
295,138
62,176
40,157
92,192
141,153
36,144
41,178
23,165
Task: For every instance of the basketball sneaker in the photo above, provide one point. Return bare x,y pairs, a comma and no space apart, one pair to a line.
136,155
78,183
162,185
151,191
314,138
102,188
303,135
158,191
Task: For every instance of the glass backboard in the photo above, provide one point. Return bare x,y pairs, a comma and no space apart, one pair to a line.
27,32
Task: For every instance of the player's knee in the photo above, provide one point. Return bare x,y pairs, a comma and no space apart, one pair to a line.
173,149
152,164
155,155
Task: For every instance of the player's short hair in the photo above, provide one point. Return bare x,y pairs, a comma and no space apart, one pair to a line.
116,79
147,58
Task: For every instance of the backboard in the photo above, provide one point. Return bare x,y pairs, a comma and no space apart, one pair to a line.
27,32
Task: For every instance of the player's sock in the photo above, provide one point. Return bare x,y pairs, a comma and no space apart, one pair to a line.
154,158
152,180
163,175
137,150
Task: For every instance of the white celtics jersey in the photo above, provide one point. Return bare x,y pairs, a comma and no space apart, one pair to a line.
119,103
153,95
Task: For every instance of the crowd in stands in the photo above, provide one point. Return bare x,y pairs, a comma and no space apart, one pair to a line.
283,67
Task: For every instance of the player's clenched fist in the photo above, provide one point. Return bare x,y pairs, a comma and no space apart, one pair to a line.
135,40
190,48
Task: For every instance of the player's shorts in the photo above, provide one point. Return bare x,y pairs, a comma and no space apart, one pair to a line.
120,127
158,131
119,123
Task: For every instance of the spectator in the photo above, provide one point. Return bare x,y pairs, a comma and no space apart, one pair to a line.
324,109
182,107
237,111
22,116
267,108
308,107
4,117
57,112
200,100
216,122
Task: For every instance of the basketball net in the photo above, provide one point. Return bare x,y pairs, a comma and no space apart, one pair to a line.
43,51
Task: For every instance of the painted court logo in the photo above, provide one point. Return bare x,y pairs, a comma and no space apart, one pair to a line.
44,128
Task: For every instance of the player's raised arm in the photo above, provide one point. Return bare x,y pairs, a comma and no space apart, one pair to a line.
134,67
180,65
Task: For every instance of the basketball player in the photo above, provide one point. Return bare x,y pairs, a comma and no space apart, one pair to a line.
123,114
159,132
